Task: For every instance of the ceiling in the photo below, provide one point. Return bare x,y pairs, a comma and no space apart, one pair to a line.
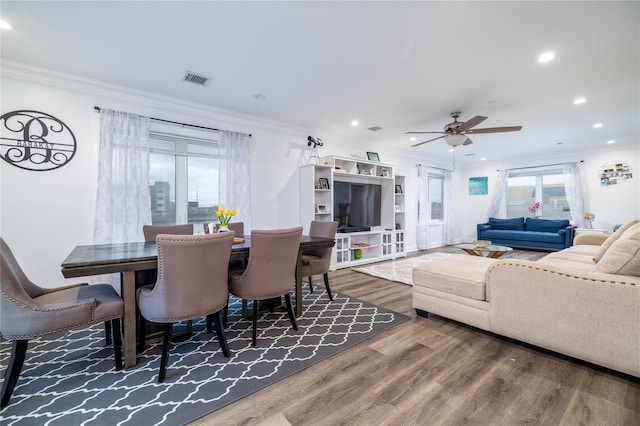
402,66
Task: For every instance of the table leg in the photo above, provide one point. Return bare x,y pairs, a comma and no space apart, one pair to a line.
128,295
299,285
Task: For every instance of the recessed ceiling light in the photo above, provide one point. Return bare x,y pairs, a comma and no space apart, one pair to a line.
259,97
597,125
483,158
451,149
4,25
579,101
355,123
412,139
546,57
611,141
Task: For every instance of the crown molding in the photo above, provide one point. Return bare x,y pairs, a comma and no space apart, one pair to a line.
45,77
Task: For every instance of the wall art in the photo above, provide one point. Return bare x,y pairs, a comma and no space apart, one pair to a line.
33,140
614,173
478,185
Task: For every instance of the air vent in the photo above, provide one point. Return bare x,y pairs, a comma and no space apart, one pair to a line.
375,128
194,78
469,155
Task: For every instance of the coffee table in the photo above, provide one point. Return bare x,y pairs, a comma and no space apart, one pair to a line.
493,251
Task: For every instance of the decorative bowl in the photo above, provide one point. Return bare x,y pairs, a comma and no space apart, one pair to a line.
481,243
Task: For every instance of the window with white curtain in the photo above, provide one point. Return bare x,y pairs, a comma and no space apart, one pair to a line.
183,178
545,186
436,197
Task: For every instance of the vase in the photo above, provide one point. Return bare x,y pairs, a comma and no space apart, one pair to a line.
223,228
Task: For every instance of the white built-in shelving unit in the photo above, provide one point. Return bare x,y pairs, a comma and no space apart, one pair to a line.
316,203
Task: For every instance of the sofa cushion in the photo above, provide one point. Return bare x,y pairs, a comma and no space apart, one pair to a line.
514,223
458,274
623,257
545,225
545,237
612,239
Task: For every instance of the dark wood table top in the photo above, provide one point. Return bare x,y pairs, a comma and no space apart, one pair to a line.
121,257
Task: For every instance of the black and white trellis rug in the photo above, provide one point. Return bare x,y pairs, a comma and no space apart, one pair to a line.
70,379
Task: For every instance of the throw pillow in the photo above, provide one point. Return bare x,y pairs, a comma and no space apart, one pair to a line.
612,239
622,258
513,224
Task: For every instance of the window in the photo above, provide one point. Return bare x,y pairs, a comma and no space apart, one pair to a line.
545,186
183,179
436,184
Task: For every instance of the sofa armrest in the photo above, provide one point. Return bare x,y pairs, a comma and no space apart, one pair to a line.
590,238
587,315
482,227
568,235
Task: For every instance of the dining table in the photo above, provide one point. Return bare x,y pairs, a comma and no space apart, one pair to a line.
128,258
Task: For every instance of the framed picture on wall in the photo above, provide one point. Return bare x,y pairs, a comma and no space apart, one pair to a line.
373,156
478,185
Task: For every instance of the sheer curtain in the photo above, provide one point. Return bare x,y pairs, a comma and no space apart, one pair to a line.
424,208
235,179
574,192
448,207
123,201
498,206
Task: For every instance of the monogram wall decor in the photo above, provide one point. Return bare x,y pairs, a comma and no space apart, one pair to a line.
33,140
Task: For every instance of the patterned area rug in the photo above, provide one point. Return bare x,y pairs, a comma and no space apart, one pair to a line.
70,379
398,270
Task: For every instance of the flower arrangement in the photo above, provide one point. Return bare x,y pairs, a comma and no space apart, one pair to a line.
534,208
589,217
225,215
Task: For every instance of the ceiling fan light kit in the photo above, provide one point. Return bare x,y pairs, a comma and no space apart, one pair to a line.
455,133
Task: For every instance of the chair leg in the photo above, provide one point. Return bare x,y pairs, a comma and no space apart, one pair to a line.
255,321
209,323
292,317
310,284
168,329
226,314
117,342
142,333
18,354
217,320
326,285
107,333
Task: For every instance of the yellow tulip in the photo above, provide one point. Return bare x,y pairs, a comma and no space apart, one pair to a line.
221,208
218,213
233,212
227,212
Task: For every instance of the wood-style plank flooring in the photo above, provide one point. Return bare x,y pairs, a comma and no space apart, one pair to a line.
438,372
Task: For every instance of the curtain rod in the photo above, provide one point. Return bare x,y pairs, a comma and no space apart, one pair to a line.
433,167
97,108
536,167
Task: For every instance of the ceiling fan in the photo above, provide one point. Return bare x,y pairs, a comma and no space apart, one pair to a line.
455,133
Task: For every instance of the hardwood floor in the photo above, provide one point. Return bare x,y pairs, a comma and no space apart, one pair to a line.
438,372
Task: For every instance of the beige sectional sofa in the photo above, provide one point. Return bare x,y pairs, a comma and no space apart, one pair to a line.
583,301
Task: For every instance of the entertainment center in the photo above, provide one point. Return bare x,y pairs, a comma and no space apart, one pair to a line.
367,199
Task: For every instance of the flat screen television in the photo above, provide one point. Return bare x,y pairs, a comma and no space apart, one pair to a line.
356,205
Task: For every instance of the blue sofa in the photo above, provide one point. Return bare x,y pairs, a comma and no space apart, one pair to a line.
530,233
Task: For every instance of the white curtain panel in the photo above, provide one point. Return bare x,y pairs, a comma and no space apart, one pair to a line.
123,203
448,207
424,208
498,205
574,191
235,181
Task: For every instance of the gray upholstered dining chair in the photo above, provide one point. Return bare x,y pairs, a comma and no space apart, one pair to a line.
237,227
29,311
270,272
192,283
317,262
152,231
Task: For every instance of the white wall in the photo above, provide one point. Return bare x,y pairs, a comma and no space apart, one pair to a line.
614,204
44,215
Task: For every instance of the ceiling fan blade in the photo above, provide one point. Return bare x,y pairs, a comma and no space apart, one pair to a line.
494,129
430,140
417,133
471,122
467,142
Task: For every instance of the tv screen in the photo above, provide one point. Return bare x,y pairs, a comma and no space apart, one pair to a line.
356,204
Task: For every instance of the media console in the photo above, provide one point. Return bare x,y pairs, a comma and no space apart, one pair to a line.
360,244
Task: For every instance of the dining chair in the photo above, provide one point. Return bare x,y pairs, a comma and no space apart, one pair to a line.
192,283
152,231
237,227
317,262
29,311
270,271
